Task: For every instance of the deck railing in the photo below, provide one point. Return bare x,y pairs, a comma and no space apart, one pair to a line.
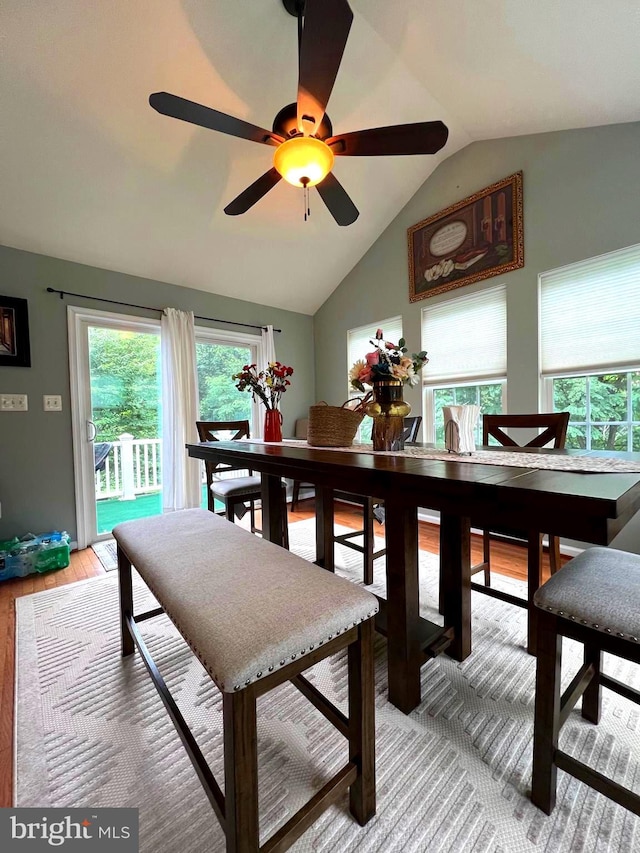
132,467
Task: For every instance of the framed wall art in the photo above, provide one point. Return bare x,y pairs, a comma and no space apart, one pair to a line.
478,237
14,333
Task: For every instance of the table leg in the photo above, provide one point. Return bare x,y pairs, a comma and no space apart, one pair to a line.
403,605
534,578
455,562
324,528
272,509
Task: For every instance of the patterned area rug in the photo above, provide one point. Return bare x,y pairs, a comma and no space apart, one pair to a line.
452,776
106,552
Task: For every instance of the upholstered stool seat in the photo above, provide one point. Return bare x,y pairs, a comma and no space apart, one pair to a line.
256,616
593,599
235,487
600,589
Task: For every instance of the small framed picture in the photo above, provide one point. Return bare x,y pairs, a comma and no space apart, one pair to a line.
14,333
478,237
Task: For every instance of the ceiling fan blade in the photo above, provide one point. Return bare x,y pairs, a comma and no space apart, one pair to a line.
176,107
253,193
425,137
334,195
324,37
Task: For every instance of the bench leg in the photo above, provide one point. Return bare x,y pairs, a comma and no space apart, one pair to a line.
546,725
362,793
241,771
126,602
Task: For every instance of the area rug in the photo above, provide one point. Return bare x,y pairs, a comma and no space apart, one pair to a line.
106,552
452,776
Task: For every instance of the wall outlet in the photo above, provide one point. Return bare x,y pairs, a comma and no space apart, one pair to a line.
14,403
52,403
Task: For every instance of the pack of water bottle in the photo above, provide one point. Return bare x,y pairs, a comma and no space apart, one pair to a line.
31,553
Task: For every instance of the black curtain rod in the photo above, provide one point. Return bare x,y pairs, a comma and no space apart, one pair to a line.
64,293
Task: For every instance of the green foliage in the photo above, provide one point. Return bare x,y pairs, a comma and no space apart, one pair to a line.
608,399
125,377
126,383
219,398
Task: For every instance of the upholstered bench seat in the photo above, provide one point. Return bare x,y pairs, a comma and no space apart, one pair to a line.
245,606
256,616
600,588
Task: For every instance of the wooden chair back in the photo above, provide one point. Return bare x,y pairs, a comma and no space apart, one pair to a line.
411,427
207,432
553,424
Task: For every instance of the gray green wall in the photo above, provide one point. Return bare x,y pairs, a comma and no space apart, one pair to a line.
581,199
36,462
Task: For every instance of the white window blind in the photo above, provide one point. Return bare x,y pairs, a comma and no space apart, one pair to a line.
466,338
359,340
590,314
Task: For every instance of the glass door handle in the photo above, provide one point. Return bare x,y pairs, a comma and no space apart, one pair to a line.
91,431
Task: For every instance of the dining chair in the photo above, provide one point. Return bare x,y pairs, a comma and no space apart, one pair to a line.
234,492
554,432
372,510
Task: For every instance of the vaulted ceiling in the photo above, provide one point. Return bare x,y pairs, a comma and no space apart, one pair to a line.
90,173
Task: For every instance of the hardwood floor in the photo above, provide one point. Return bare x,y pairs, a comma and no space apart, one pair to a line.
506,559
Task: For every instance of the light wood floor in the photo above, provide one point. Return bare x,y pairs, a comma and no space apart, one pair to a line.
506,559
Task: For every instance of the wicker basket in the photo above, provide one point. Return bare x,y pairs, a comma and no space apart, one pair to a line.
332,426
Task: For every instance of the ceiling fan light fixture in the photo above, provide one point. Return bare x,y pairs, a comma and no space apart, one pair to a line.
303,160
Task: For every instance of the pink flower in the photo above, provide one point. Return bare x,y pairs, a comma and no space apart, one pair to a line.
379,334
365,375
373,357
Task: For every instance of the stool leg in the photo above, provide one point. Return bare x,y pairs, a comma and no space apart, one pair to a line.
228,509
241,771
547,713
486,557
362,794
368,542
591,704
554,554
126,602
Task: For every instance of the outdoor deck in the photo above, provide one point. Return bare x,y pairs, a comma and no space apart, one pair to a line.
111,511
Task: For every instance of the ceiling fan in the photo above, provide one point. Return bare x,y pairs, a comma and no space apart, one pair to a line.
302,133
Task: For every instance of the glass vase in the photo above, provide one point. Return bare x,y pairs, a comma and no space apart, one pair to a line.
273,425
388,411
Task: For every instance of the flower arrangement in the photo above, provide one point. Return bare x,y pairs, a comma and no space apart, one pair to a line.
387,361
267,385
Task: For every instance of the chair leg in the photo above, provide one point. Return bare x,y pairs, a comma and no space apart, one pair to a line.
362,793
285,520
229,509
210,500
295,495
369,544
547,713
554,554
486,557
591,698
252,516
241,771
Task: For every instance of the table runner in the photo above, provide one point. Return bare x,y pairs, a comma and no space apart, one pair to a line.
513,459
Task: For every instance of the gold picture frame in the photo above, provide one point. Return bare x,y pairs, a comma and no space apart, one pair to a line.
473,239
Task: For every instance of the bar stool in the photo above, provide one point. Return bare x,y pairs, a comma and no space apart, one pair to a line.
593,599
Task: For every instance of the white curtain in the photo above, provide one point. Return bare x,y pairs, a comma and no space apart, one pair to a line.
268,354
180,474
268,345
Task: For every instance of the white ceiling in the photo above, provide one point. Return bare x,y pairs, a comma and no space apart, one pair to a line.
90,173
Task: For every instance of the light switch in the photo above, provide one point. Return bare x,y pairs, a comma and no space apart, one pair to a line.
52,403
13,403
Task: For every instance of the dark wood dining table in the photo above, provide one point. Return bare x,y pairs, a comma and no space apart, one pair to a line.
590,507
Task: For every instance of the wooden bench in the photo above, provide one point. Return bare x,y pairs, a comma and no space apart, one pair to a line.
256,616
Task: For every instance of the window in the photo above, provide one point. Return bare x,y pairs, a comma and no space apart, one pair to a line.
217,359
590,350
466,339
358,345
